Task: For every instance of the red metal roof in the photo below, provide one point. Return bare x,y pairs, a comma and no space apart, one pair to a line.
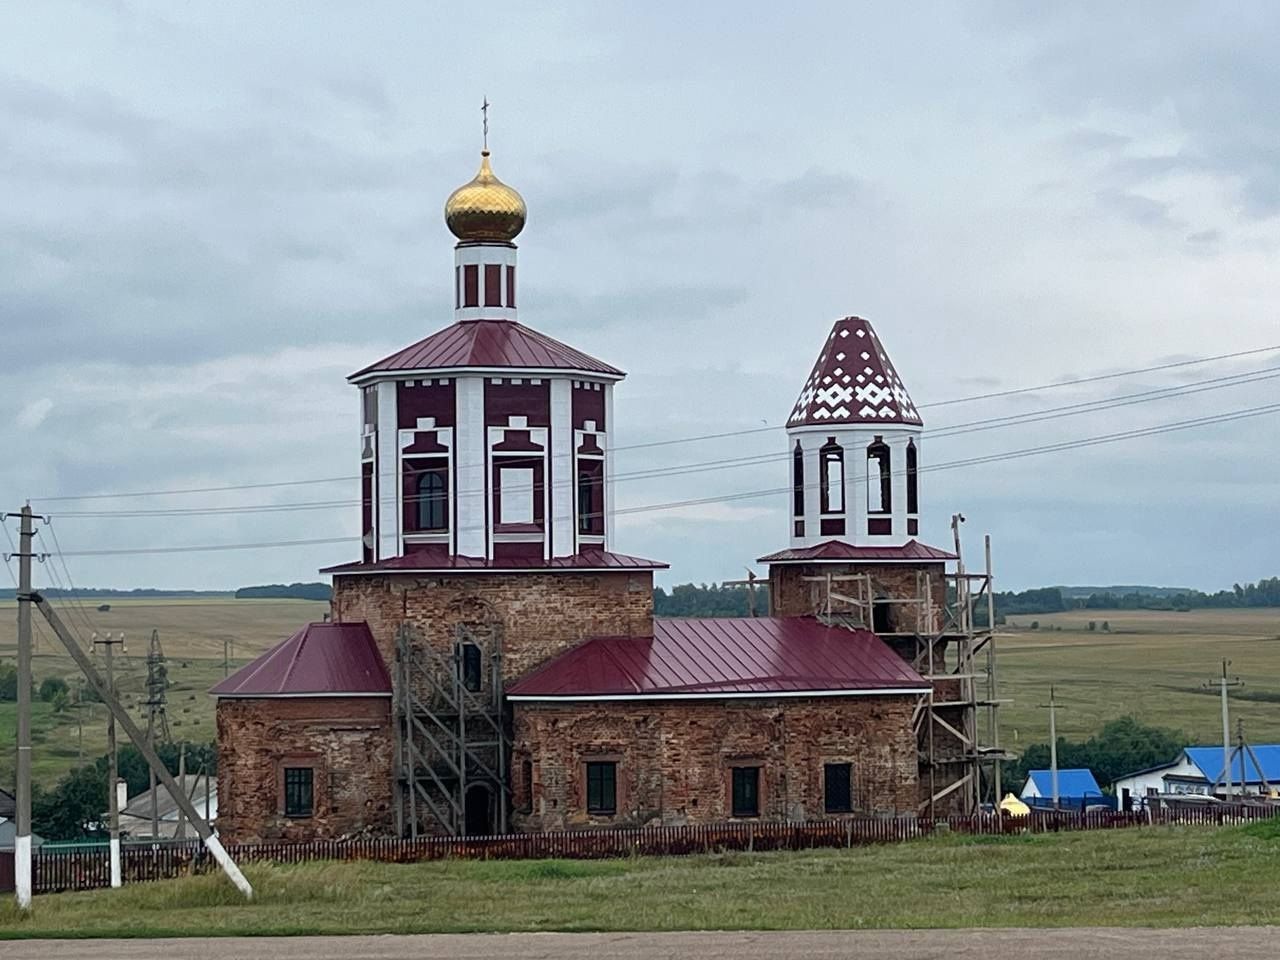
487,344
833,551
731,657
320,660
432,561
853,381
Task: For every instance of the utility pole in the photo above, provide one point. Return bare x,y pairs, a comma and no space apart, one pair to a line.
113,772
157,696
22,815
226,657
1222,683
202,828
1053,708
750,584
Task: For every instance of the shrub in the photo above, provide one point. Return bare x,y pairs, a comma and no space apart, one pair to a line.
51,687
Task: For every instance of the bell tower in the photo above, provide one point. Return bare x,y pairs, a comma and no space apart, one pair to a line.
854,439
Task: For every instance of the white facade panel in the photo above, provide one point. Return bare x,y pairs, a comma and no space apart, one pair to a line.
561,518
471,495
387,474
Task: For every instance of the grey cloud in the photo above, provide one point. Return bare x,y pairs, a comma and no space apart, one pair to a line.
1144,211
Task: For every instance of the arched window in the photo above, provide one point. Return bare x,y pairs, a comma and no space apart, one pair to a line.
831,477
913,493
433,500
879,477
797,481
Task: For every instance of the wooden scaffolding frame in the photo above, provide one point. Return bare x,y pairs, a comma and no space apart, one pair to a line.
955,651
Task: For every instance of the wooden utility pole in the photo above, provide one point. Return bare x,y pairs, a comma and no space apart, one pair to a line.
202,828
1222,683
22,815
750,584
113,771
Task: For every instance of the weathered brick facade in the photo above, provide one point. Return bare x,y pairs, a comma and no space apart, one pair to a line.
674,757
346,741
799,590
540,614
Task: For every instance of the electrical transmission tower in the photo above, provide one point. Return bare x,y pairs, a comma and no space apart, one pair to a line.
157,691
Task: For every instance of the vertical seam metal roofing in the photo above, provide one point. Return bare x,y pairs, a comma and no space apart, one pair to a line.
321,660
487,344
724,656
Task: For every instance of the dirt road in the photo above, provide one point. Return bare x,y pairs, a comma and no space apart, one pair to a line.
1223,943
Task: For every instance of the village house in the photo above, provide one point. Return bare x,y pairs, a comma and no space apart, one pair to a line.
1200,772
492,663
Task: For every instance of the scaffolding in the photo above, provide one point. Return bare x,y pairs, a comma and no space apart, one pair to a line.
452,735
956,724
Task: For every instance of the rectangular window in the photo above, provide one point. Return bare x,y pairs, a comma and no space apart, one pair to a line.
471,666
492,285
838,787
511,287
746,791
298,794
591,497
602,787
515,493
471,285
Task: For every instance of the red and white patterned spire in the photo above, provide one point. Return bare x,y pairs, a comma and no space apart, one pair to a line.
853,382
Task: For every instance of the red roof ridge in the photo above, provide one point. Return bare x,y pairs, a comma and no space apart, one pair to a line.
837,551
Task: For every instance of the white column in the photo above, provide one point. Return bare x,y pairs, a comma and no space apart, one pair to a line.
898,451
471,496
562,522
610,431
387,483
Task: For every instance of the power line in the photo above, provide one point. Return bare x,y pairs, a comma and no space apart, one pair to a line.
710,436
752,494
1053,413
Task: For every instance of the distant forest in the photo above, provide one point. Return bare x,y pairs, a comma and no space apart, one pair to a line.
717,600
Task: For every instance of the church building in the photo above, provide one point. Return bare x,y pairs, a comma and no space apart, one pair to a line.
492,664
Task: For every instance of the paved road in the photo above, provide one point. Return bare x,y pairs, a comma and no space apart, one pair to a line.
1223,943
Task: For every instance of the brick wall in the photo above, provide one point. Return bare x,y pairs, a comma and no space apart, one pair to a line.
674,757
347,741
791,595
539,614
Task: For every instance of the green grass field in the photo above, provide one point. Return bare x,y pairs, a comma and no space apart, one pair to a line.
1135,877
1151,664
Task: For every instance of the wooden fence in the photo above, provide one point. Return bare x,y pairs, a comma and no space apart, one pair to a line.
83,869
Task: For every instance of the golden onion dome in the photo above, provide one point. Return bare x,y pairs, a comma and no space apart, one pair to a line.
486,209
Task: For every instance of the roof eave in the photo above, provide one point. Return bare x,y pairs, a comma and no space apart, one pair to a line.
717,695
372,373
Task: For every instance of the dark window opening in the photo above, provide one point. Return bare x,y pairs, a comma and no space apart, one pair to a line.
602,787
831,477
369,398
299,797
433,500
913,492
799,528
492,285
471,666
881,616
471,285
797,481
879,477
511,287
838,787
746,791
526,777
591,497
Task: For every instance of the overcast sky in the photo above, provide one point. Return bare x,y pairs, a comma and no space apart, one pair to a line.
210,214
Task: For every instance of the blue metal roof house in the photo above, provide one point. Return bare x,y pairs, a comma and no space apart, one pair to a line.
1077,789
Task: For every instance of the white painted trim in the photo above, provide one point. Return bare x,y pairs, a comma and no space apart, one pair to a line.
610,466
433,372
773,695
114,846
561,520
214,846
449,571
387,465
22,870
295,696
851,560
